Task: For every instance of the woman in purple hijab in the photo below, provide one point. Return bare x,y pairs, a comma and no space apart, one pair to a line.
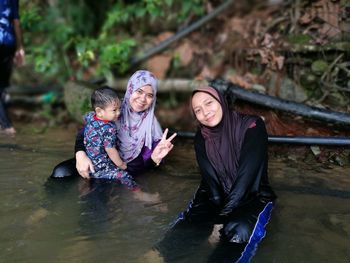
140,140
233,203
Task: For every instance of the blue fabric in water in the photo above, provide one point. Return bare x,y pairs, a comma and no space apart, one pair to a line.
194,225
258,234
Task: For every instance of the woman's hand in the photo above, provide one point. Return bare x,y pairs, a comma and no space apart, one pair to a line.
19,58
163,147
83,164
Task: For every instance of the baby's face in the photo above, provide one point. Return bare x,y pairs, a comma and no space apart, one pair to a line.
112,111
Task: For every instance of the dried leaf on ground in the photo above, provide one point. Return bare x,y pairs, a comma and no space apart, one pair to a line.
159,65
328,12
243,81
185,53
206,73
306,18
163,36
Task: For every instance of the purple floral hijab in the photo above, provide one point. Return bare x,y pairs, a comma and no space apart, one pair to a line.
137,129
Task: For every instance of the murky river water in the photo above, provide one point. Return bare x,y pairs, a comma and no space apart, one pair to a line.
78,221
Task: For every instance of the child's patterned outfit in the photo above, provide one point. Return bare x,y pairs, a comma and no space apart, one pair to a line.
98,135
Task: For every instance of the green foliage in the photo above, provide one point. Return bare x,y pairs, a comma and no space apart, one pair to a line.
345,3
299,39
29,18
67,38
188,7
85,51
117,55
85,105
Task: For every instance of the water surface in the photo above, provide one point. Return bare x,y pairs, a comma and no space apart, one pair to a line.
79,221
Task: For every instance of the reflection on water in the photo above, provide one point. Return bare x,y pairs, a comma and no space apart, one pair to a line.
79,221
308,228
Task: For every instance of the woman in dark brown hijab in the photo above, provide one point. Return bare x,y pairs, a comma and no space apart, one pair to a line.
234,194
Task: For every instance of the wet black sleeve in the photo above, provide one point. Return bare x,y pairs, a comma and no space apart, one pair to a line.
252,166
207,171
149,163
79,141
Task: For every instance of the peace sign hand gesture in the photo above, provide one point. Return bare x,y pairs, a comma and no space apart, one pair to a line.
163,147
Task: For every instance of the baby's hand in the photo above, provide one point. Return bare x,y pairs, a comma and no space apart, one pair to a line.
123,166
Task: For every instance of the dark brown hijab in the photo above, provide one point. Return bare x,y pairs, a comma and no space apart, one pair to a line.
223,142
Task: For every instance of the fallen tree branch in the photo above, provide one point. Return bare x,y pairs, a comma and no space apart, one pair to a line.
166,85
164,44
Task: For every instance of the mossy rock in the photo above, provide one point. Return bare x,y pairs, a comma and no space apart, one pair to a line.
309,81
285,88
335,99
318,67
77,98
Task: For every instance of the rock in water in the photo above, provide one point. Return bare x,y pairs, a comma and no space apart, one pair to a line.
77,98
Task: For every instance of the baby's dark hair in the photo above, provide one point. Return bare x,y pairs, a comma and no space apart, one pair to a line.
103,96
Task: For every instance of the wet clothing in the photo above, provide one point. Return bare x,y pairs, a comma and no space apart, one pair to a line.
135,167
234,191
244,211
98,135
8,12
251,184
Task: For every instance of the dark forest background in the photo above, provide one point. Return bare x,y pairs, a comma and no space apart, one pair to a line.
297,50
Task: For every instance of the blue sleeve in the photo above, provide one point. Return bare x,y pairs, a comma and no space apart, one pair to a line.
109,137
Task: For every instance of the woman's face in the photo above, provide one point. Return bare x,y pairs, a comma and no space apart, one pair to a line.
142,98
207,110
